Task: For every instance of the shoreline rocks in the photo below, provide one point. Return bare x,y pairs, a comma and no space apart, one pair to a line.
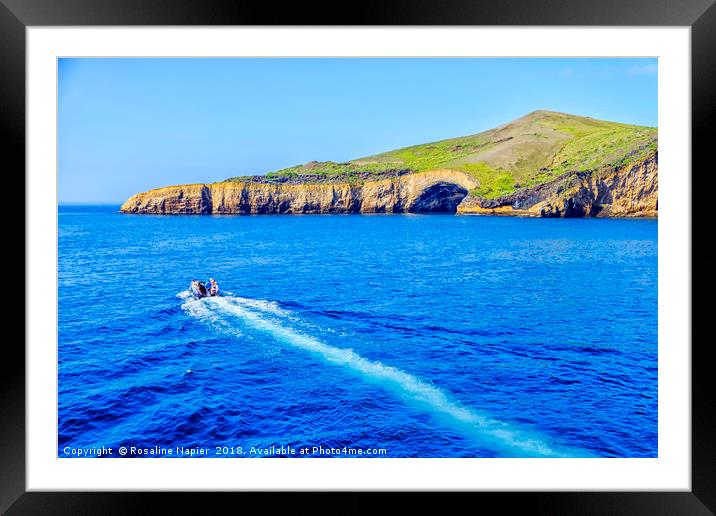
627,191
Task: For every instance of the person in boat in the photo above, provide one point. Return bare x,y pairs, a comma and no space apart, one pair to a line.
213,287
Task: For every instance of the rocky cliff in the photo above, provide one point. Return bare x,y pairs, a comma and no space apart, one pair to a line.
626,191
431,191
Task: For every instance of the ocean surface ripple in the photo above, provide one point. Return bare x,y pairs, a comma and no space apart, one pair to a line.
424,335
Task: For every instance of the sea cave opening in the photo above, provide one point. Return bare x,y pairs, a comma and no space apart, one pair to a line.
439,198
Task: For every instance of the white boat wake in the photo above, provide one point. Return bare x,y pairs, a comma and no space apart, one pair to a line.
269,318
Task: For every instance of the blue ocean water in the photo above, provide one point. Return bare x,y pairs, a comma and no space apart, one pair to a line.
356,335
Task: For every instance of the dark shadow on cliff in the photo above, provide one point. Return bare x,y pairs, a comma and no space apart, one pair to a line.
439,198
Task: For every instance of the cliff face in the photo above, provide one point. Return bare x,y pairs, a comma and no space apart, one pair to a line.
631,190
431,191
628,191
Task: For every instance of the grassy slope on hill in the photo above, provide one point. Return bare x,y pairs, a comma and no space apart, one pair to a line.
525,152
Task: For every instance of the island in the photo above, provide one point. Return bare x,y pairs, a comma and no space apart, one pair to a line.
544,164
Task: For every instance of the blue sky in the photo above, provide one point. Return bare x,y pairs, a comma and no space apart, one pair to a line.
128,125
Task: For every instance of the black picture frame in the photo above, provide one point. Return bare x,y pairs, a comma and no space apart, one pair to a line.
700,15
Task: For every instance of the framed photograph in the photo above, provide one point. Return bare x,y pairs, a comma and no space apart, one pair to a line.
440,251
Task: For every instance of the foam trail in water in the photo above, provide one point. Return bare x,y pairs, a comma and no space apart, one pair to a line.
264,306
513,442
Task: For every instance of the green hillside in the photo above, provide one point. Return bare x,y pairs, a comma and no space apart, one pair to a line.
525,152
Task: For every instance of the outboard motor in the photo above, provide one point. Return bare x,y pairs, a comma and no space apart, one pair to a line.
198,289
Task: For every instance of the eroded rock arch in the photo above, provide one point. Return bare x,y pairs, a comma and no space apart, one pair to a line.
440,197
